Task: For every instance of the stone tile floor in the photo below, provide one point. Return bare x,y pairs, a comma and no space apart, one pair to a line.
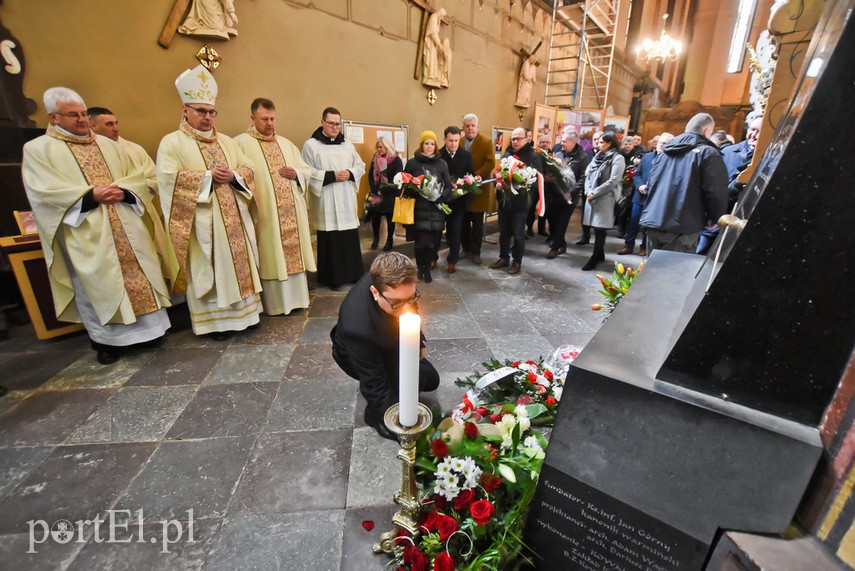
261,436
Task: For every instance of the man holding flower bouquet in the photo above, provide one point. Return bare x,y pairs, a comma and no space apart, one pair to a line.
518,186
459,163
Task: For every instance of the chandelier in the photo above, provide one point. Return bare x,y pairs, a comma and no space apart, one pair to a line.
664,49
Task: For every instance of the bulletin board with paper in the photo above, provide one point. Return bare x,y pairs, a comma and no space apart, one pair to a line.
364,137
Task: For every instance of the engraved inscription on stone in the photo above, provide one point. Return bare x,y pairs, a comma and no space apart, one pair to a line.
588,530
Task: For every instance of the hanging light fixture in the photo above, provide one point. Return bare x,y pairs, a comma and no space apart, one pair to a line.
664,49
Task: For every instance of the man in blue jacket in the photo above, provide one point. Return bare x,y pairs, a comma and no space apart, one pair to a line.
640,181
687,189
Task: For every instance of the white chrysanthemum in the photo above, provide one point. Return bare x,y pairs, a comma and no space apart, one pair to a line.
449,480
458,464
469,465
443,469
473,472
471,482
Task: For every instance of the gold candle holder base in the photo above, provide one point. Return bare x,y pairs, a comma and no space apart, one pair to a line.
408,496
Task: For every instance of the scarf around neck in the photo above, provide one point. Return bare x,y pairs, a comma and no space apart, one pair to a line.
381,163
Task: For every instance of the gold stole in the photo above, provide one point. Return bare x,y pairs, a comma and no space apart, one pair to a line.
94,168
285,208
184,209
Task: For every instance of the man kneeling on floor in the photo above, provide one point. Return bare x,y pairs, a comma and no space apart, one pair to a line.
365,339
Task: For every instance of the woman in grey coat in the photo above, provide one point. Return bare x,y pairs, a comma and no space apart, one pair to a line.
603,180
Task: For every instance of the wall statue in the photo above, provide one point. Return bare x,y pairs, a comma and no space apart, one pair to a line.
436,63
211,19
525,87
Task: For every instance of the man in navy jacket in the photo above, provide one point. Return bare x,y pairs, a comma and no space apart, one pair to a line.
687,189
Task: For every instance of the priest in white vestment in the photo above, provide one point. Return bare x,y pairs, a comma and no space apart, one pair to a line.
205,184
104,122
105,248
336,170
281,218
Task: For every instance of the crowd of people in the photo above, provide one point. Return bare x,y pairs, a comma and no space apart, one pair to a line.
225,223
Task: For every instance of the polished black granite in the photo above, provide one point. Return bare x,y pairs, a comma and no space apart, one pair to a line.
775,331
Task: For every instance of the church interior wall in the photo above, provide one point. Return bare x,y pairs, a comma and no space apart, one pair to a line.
356,56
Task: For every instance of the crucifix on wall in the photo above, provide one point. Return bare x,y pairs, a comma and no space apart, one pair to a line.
433,57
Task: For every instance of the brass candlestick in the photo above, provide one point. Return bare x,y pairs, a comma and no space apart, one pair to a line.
408,496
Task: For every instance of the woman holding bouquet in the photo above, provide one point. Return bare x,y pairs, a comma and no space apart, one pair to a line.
603,184
429,219
381,198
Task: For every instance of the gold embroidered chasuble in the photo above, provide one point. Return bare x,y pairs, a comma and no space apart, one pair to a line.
210,224
119,256
282,221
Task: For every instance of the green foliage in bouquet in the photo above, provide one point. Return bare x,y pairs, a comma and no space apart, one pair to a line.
615,287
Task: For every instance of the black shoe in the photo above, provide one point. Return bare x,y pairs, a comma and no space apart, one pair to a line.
374,244
384,431
388,246
107,357
221,335
543,234
427,277
583,241
529,232
592,263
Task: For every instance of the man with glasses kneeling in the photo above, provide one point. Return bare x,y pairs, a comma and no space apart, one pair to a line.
366,339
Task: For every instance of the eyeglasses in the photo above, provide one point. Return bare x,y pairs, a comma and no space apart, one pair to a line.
334,126
73,114
203,112
398,304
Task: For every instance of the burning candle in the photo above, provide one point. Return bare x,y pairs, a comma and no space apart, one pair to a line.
408,370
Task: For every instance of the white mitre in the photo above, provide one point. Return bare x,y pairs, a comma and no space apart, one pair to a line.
197,85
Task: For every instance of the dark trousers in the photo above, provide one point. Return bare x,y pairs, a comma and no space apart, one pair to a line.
599,243
377,404
453,229
512,225
472,233
559,218
632,229
375,226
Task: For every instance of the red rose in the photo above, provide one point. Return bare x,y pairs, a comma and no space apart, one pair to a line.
491,482
541,389
470,430
415,558
516,363
447,526
525,399
549,376
494,418
481,410
463,499
432,521
439,502
402,538
532,378
551,400
439,448
482,511
443,562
